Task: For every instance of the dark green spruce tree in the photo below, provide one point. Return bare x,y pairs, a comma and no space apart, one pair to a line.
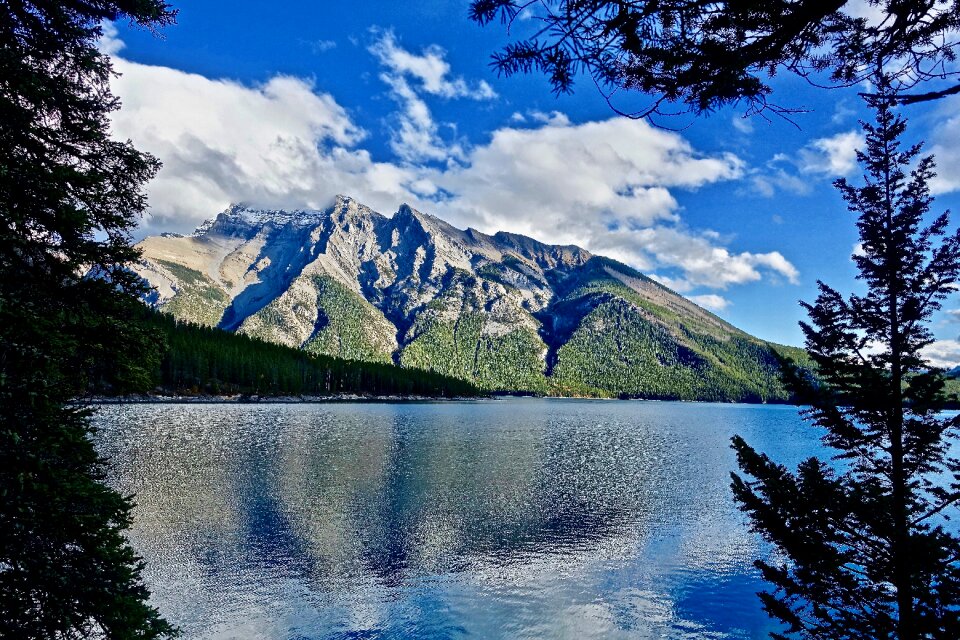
867,545
69,196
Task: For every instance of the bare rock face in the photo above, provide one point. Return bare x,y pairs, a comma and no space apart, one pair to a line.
503,310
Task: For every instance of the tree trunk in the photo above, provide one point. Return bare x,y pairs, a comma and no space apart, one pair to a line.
902,579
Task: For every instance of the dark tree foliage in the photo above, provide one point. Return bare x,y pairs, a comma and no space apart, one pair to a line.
69,195
708,54
868,546
203,360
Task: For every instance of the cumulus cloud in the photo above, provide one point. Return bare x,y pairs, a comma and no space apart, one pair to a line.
110,42
606,185
416,136
711,301
835,155
557,176
701,260
827,157
278,144
944,354
429,69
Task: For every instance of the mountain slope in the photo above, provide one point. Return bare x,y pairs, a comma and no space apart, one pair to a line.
504,311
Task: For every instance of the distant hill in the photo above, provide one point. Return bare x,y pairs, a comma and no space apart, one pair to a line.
503,311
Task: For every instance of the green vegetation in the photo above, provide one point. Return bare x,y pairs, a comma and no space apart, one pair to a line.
951,389
614,341
610,332
457,336
199,299
203,360
617,349
350,327
460,348
603,330
609,341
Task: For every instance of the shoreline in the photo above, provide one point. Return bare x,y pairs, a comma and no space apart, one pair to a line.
361,399
256,399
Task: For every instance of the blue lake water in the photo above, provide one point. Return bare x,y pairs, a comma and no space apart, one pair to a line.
517,518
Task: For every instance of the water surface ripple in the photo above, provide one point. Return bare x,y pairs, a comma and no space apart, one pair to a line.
493,519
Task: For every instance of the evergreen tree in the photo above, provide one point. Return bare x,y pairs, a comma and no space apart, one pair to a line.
201,359
703,55
866,547
69,196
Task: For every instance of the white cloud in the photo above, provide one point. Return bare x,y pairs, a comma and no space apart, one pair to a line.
110,42
742,124
279,144
430,70
607,186
945,146
828,157
322,46
702,262
416,136
832,156
768,183
874,13
942,353
557,178
842,112
553,118
710,301
604,185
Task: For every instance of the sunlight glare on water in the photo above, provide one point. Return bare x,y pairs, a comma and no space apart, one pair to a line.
513,518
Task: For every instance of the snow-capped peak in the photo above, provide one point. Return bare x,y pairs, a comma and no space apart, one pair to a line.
240,215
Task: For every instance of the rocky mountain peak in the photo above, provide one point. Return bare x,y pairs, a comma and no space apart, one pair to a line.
546,256
407,217
241,219
346,210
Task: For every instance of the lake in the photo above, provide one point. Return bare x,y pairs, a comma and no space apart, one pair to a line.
515,518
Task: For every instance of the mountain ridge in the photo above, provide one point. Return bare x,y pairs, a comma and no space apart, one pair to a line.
504,311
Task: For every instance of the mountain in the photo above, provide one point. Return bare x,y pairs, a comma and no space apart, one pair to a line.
207,361
504,311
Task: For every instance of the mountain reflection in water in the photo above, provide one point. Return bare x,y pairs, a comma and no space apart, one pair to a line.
494,519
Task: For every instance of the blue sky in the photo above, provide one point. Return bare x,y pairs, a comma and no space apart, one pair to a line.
396,102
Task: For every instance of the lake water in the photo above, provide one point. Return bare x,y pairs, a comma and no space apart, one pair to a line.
515,518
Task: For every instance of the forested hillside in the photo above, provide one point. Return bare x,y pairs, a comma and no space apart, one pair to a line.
203,360
615,341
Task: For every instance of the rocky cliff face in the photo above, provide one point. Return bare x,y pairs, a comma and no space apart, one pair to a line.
505,311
